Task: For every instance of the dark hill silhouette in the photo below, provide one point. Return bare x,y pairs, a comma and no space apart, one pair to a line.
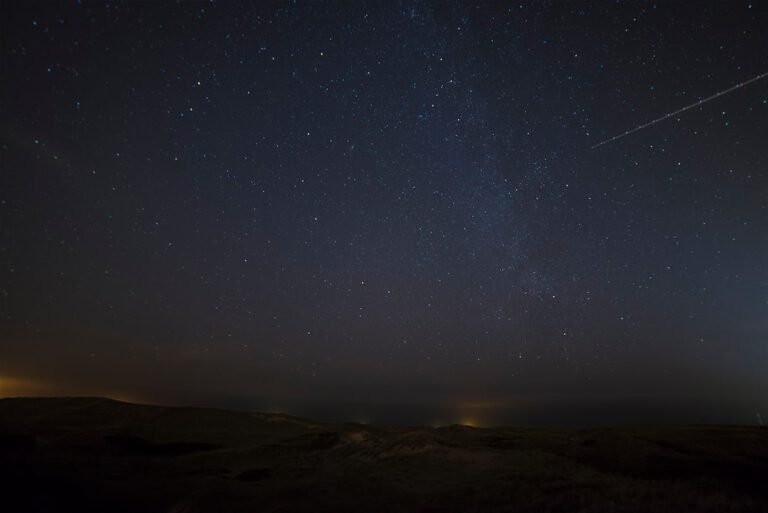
94,454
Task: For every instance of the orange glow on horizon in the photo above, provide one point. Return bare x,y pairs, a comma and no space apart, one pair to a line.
12,386
20,387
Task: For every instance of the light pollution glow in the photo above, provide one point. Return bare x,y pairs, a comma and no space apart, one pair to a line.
14,386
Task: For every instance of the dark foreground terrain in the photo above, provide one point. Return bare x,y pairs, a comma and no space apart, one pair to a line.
106,456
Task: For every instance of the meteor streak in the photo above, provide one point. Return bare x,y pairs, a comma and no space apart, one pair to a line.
678,111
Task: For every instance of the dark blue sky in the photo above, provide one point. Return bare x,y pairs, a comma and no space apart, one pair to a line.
387,210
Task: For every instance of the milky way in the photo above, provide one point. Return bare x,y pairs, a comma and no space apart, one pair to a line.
385,210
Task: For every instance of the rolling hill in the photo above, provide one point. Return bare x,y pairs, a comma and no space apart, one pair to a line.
95,454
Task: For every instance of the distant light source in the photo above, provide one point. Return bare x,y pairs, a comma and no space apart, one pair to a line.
15,387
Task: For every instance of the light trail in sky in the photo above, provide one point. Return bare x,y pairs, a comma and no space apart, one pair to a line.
678,111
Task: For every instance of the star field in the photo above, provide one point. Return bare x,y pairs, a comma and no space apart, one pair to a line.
388,210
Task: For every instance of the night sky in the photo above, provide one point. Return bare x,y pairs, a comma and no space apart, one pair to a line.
388,212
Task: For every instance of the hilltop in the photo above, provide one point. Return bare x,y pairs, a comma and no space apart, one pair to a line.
95,454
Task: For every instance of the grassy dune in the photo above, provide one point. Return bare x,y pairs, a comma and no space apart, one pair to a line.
100,455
